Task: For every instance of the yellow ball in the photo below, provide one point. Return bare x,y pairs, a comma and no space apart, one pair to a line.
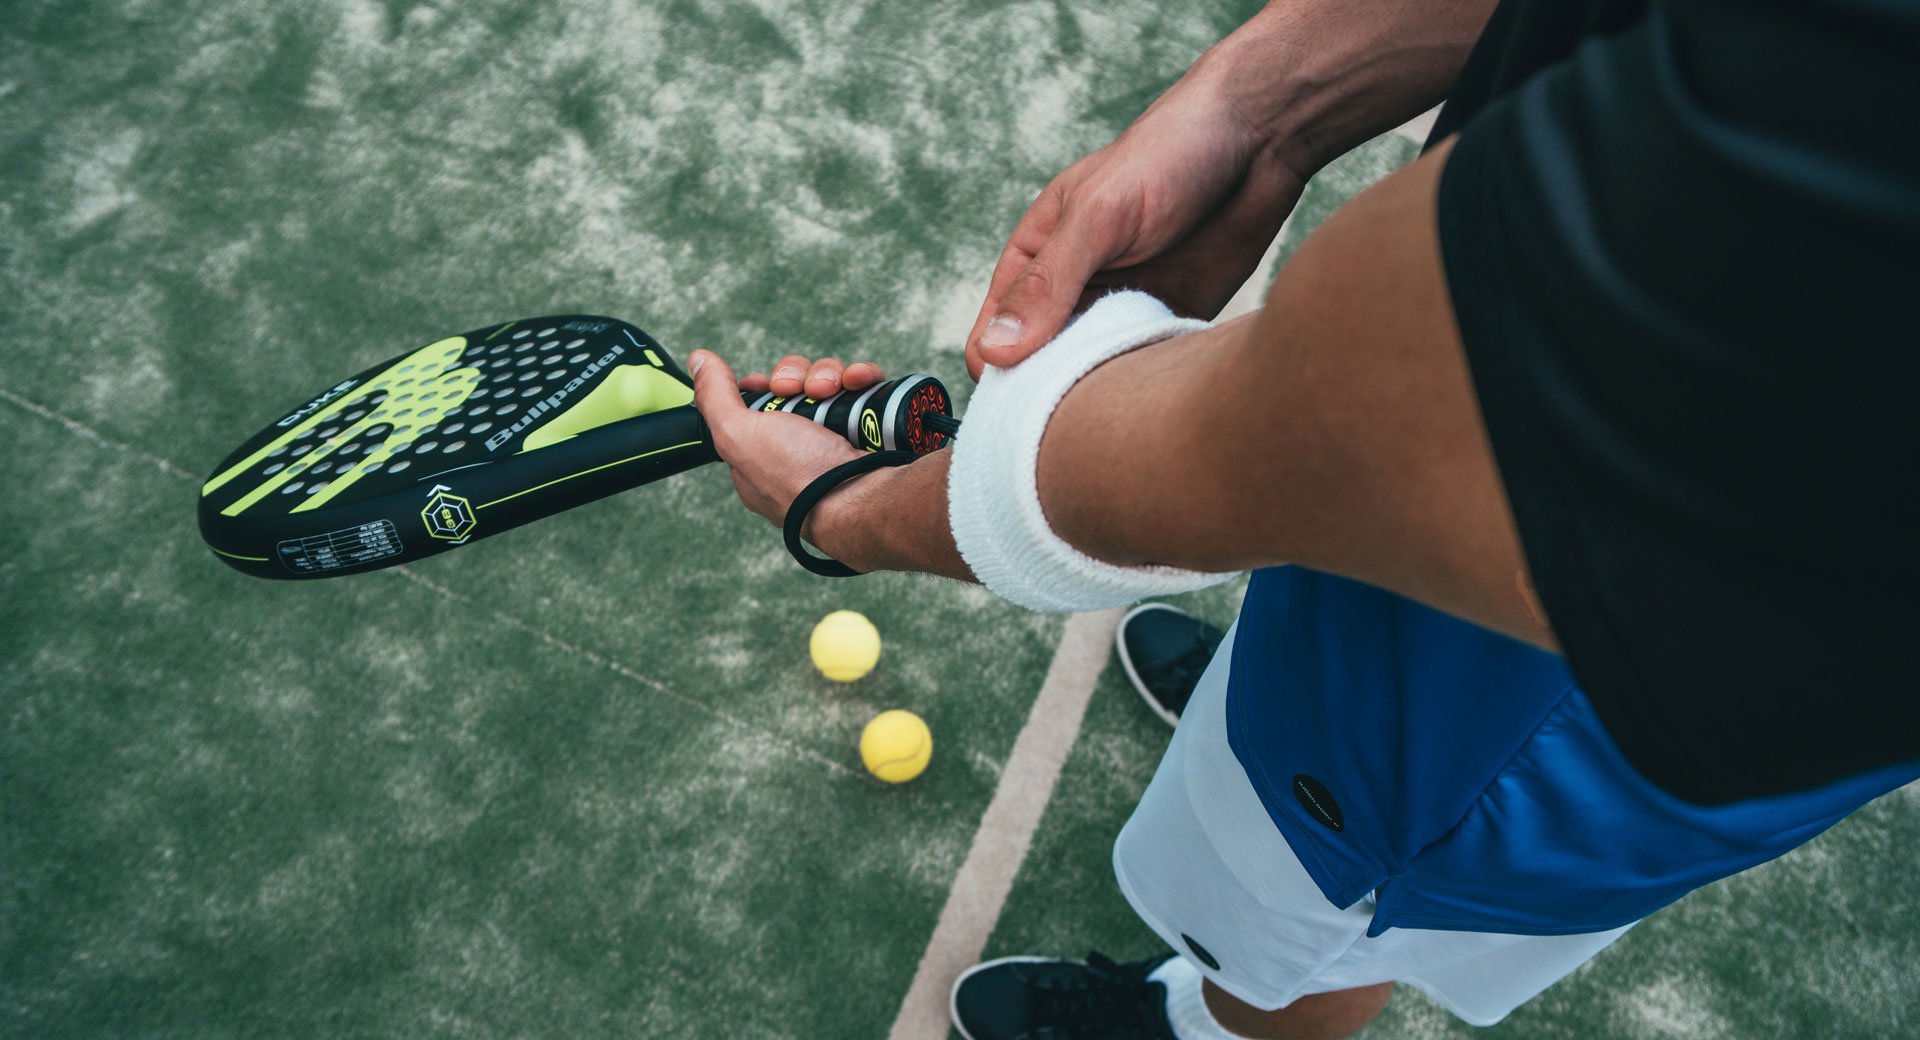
896,746
845,646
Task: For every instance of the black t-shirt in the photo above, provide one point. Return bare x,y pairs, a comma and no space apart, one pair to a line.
1683,244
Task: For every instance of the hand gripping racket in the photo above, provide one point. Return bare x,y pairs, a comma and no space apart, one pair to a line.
479,433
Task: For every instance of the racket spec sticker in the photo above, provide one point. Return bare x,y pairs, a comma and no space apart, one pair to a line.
349,547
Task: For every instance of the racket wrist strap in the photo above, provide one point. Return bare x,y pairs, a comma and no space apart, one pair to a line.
822,486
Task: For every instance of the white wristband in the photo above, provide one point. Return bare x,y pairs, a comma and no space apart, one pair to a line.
993,495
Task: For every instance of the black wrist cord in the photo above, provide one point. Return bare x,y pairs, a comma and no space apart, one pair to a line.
823,485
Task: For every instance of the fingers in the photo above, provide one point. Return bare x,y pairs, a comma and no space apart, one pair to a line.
1040,298
789,374
860,375
819,380
716,395
1203,272
1035,227
1012,260
823,379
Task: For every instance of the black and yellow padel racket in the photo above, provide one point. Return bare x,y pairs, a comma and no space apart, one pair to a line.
479,433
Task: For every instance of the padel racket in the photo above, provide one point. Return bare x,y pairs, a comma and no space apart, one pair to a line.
479,433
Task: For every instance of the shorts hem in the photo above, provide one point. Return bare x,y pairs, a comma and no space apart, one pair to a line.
1171,936
1451,1007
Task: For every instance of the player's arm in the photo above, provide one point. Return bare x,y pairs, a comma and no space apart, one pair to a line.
1184,203
1320,77
1335,428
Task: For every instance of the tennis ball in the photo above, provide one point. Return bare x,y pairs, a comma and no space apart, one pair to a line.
845,646
896,746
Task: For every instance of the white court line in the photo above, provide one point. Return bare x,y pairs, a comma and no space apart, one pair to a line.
91,435
1026,784
1006,831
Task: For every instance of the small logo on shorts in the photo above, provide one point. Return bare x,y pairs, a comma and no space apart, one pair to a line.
1200,952
1314,797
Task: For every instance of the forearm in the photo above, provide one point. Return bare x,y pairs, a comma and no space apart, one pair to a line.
897,518
1147,458
892,520
1169,411
1320,77
1336,428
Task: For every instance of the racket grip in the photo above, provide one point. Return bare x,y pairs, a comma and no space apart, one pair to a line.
912,413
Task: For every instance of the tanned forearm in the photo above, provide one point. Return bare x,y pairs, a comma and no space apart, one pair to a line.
1336,428
891,520
1320,77
1323,76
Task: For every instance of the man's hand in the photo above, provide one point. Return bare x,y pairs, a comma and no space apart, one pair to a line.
773,457
1182,206
819,380
1186,201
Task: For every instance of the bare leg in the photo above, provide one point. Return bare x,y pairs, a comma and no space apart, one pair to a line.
1322,1016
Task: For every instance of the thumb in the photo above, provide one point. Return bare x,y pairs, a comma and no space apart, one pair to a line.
716,394
1040,299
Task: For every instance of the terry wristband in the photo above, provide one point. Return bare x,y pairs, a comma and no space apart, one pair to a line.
993,495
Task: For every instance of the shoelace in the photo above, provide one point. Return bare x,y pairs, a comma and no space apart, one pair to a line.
1108,1001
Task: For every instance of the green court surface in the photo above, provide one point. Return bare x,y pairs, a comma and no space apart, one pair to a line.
580,780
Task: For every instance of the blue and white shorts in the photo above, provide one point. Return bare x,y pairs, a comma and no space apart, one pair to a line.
1206,868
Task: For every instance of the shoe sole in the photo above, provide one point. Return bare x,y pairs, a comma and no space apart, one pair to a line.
953,995
1120,648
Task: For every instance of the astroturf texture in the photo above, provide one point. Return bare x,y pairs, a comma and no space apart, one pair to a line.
579,780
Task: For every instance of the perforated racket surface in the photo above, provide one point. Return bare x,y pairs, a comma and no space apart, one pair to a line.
478,433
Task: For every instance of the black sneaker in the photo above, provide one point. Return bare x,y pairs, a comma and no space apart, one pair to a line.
1037,998
1164,651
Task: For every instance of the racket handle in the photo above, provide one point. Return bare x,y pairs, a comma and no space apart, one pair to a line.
912,413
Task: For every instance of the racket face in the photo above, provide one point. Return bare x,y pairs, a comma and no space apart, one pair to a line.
459,439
